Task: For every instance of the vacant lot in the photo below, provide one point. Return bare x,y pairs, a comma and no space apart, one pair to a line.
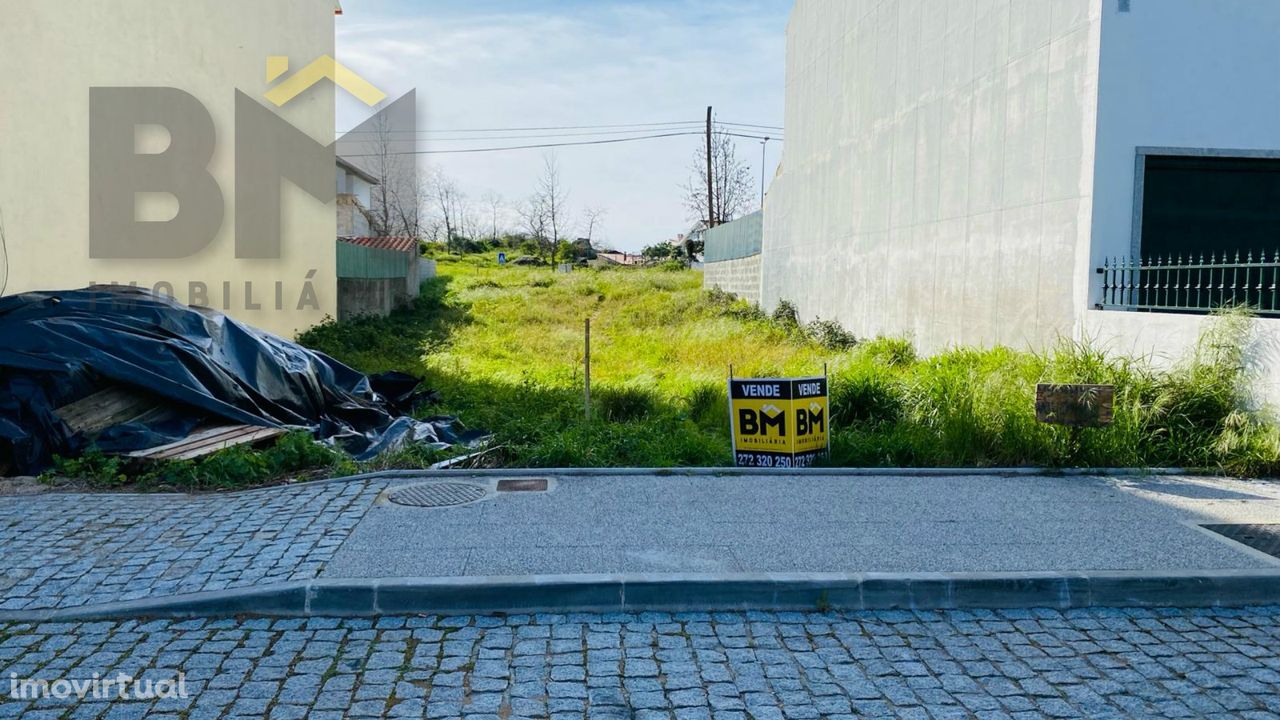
504,345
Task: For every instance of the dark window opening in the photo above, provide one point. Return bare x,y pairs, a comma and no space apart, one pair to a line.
1194,206
1210,237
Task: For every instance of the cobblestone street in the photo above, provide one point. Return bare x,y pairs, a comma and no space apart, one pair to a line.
1001,664
71,550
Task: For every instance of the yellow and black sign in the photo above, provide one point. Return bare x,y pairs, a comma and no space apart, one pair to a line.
779,422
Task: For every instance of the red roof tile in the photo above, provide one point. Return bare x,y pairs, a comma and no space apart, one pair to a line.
401,244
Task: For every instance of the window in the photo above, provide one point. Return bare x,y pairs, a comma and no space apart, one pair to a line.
1207,205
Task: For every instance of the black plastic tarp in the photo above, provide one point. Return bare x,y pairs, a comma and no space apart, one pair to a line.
60,347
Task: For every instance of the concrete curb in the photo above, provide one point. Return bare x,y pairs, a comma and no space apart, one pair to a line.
697,592
429,474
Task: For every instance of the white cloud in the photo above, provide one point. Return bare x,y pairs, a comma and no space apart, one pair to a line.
577,63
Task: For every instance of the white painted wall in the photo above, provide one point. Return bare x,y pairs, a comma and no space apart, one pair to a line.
937,177
1167,339
1185,74
53,51
1201,74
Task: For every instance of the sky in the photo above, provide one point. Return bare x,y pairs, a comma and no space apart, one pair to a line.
479,64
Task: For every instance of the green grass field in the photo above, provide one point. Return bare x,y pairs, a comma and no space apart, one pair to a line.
504,345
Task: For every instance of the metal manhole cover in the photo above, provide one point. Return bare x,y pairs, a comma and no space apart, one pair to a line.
1264,538
435,495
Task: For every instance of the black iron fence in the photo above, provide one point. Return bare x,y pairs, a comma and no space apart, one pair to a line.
1200,284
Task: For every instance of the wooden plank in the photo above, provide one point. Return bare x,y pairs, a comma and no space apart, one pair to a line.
208,441
114,405
1075,405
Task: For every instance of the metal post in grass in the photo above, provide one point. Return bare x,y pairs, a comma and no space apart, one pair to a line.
586,389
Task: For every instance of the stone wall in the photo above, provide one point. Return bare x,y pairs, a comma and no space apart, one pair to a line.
740,277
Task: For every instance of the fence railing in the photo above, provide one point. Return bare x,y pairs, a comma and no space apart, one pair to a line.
1177,284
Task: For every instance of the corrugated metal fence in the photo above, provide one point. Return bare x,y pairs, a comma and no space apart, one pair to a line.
739,239
357,261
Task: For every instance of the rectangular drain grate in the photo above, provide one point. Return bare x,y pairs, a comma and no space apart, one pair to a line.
523,485
1264,538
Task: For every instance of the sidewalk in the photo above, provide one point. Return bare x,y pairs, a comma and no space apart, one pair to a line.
745,524
59,552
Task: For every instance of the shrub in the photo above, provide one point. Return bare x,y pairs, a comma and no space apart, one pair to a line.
830,335
865,395
723,304
707,404
92,467
894,352
786,315
622,404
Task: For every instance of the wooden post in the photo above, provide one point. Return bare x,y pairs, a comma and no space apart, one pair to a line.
586,394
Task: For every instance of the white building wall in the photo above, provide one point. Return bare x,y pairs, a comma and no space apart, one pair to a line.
938,170
53,51
1192,74
1187,74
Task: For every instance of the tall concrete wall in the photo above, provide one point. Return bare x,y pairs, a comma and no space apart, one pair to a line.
53,51
937,177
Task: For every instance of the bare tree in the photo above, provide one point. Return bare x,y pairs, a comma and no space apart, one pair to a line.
534,217
493,202
732,192
553,198
399,197
452,209
592,217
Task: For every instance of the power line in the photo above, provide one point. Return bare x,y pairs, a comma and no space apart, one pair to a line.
755,137
509,137
528,129
749,125
415,140
638,127
532,147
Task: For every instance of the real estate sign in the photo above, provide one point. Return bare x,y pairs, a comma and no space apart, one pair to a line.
778,422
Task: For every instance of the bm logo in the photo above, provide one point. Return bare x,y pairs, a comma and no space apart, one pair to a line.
267,150
810,420
771,418
760,422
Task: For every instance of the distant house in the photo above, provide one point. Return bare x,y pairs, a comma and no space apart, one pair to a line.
355,198
375,274
621,258
584,250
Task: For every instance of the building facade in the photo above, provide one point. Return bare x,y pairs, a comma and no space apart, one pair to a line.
355,198
57,51
959,172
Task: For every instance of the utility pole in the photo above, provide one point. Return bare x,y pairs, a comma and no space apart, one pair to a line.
711,194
